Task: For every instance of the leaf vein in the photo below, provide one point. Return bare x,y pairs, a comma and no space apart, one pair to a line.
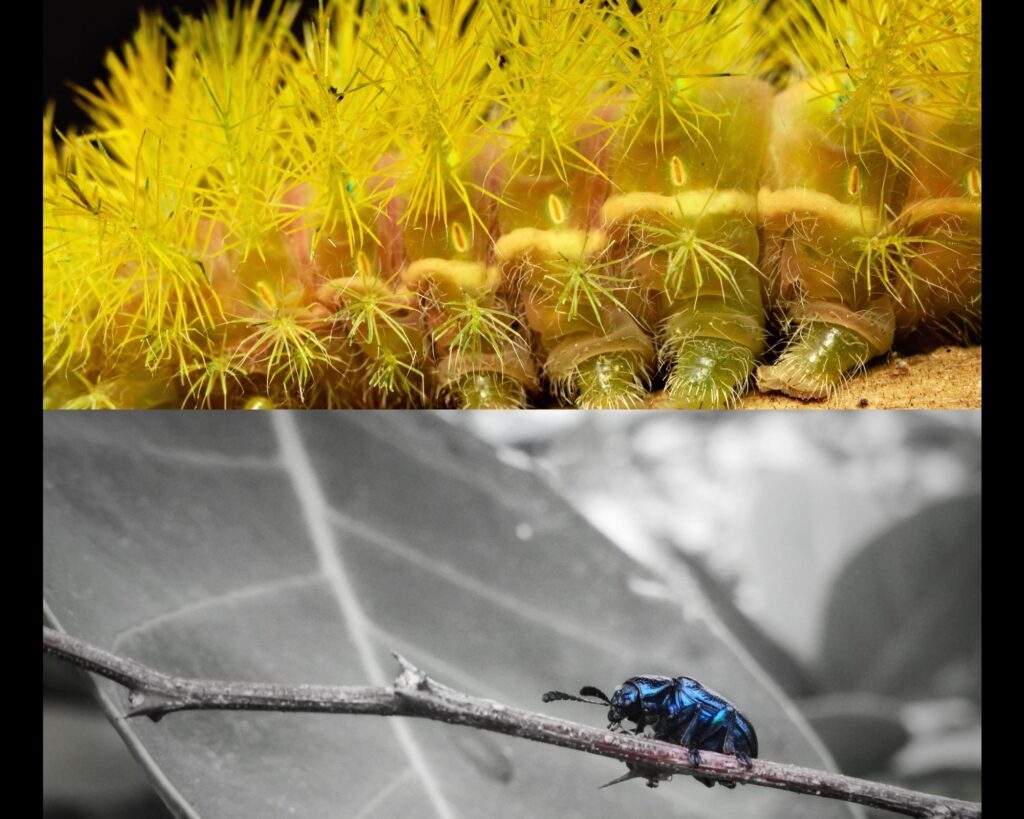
315,510
225,598
472,584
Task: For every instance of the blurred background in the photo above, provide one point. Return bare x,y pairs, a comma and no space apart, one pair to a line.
842,551
77,35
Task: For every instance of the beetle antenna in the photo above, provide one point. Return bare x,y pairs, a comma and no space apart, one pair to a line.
590,691
552,696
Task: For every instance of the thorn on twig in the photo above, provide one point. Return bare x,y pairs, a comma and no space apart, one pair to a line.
411,676
653,777
145,704
624,778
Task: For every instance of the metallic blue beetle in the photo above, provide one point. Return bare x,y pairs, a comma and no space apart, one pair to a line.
679,710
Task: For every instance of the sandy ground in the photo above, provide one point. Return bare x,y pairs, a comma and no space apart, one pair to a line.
946,378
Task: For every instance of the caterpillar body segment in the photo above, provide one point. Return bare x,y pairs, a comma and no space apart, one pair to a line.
853,146
375,312
439,86
822,207
583,313
476,341
576,301
557,93
687,214
480,348
937,277
380,318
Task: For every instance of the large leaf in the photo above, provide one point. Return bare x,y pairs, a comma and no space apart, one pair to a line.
86,769
302,548
904,617
861,730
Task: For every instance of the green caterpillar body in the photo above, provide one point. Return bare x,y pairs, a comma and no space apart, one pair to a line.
484,204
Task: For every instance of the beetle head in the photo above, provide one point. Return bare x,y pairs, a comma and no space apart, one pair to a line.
626,703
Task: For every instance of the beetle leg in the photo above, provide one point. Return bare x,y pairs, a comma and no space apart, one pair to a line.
728,716
729,746
689,739
699,731
657,723
726,720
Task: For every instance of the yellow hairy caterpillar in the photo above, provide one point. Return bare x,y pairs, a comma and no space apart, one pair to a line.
484,203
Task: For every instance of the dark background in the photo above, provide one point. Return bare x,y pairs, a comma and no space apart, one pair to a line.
78,34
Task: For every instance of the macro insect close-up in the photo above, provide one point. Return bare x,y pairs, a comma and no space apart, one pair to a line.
677,709
510,203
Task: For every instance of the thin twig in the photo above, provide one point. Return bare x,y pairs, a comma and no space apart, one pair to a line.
154,694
